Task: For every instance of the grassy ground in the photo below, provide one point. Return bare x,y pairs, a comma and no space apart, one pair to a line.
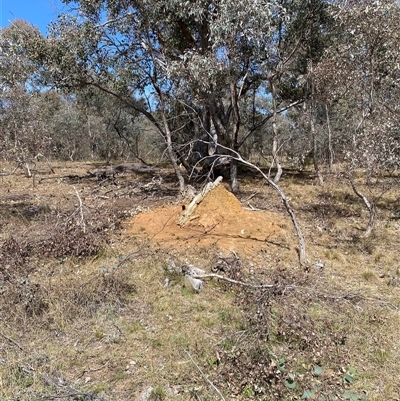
90,313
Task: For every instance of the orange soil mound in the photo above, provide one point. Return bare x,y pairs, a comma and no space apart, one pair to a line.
219,220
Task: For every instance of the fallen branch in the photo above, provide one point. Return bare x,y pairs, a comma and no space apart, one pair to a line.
196,276
78,177
232,281
369,205
111,172
349,297
197,200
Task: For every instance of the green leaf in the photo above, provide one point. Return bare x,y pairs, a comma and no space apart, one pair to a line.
350,396
290,383
348,379
281,365
317,370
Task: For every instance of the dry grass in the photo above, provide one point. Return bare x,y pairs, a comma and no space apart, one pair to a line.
103,325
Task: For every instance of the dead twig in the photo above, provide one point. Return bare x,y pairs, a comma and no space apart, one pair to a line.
72,393
348,297
250,197
232,281
94,370
82,221
127,258
11,340
204,376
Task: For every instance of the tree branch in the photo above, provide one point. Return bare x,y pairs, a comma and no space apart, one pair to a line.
302,247
265,120
369,205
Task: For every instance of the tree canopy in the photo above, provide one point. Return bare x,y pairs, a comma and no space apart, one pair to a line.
211,75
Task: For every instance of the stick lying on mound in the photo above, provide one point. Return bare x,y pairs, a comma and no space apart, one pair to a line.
197,200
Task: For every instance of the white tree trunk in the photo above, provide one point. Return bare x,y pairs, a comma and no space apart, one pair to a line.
330,147
234,176
275,135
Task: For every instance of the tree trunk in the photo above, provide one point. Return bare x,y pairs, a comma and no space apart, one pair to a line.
275,154
311,107
172,156
315,149
330,147
168,139
275,135
235,137
234,176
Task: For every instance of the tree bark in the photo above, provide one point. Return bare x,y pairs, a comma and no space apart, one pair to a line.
315,148
234,176
168,139
235,137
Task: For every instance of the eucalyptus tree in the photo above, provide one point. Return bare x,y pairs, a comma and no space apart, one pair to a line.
361,73
208,55
311,32
23,109
37,119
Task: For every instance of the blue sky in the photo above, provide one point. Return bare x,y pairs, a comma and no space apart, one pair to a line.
38,12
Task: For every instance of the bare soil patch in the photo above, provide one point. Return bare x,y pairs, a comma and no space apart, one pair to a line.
219,221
